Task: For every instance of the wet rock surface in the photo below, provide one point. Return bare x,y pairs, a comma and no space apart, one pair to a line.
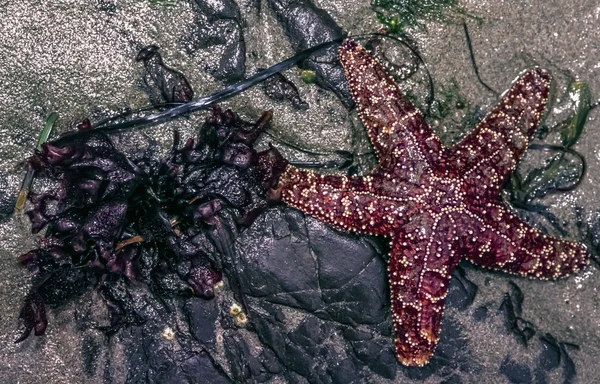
218,23
313,313
306,26
280,88
163,84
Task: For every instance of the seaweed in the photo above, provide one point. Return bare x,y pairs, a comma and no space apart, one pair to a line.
564,171
116,220
398,14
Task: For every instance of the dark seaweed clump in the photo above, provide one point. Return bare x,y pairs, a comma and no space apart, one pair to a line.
116,220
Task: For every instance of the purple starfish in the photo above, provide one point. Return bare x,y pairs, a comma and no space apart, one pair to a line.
438,205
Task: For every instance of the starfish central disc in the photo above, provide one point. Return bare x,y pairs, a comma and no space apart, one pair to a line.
437,205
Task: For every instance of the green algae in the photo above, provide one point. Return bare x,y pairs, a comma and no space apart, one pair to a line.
580,96
397,14
562,168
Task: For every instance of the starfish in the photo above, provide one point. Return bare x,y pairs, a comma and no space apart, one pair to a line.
438,205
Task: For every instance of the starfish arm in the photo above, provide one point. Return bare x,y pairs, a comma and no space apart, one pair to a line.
396,128
497,239
347,203
420,270
491,151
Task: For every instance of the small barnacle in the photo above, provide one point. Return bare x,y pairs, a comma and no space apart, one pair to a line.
168,333
235,309
241,320
240,317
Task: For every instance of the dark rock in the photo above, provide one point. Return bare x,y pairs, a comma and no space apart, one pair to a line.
480,313
232,65
569,370
515,373
309,268
189,371
220,9
271,332
308,26
163,84
353,334
152,358
202,316
310,333
285,272
135,354
462,291
200,367
379,355
243,364
549,358
218,23
294,261
298,360
280,88
453,349
512,308
344,372
294,378
270,361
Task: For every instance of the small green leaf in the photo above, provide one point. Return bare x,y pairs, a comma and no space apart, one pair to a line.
48,126
579,93
28,180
